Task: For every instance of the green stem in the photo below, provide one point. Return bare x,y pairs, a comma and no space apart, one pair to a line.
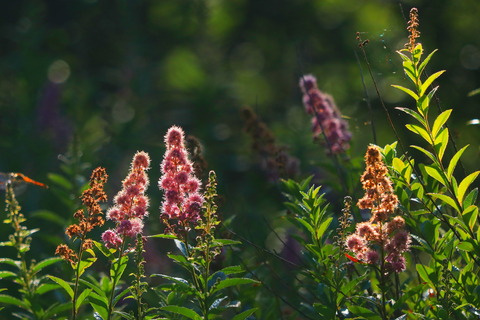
115,281
77,278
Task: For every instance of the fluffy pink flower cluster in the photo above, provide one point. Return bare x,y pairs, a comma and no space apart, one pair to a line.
130,204
182,200
380,238
371,240
326,117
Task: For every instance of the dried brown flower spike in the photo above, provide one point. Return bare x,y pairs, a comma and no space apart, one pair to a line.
412,28
87,219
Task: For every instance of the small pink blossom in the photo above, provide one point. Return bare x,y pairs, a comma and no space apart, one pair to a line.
111,239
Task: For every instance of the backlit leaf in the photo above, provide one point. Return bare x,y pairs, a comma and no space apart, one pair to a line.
463,186
429,81
454,161
440,121
420,131
406,90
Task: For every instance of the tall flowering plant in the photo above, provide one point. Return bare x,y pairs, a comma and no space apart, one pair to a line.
129,210
130,204
186,210
182,198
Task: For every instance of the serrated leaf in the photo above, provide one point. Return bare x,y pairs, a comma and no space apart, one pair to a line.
189,313
429,81
454,161
440,121
407,91
245,314
65,285
463,186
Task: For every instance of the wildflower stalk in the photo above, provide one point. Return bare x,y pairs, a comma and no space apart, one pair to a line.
436,134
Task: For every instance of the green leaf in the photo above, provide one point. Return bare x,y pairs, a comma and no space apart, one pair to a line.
231,270
465,246
440,121
471,198
181,246
425,62
409,69
118,267
364,312
85,263
45,263
436,173
424,273
425,152
245,314
420,131
441,142
53,311
448,200
11,262
413,113
99,304
417,53
189,313
463,186
323,227
108,253
454,161
225,242
163,236
82,297
60,181
470,215
429,81
65,285
46,287
232,282
7,274
406,90
13,301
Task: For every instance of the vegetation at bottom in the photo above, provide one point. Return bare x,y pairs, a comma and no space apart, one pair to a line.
382,232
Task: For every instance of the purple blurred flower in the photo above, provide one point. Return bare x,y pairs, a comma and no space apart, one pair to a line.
326,117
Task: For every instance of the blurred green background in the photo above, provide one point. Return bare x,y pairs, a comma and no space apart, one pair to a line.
87,83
